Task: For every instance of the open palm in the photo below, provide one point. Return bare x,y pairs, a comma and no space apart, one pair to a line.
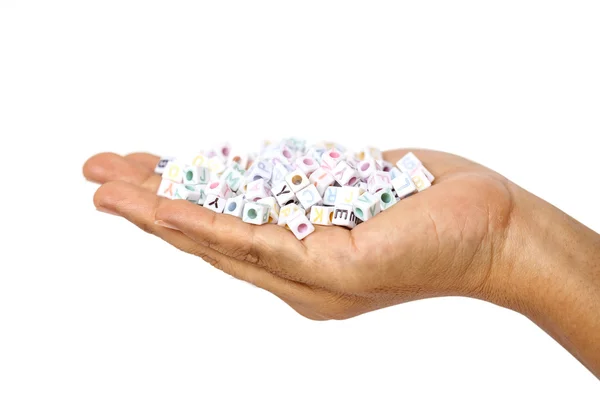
446,240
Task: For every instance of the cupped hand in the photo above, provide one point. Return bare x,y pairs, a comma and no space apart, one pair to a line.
447,240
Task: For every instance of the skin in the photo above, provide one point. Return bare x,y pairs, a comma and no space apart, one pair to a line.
473,233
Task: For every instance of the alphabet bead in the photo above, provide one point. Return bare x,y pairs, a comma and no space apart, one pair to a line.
174,171
344,174
379,180
428,174
215,203
330,159
288,212
216,164
408,163
273,208
186,192
420,180
309,196
387,198
322,215
404,186
162,163
343,215
347,195
202,193
260,169
283,194
166,188
297,180
279,173
235,206
195,175
257,189
307,165
233,178
219,188
330,195
321,179
366,206
366,168
300,226
254,213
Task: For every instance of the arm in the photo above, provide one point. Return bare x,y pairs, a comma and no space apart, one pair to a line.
473,233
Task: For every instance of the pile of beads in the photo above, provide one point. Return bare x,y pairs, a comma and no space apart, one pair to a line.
294,185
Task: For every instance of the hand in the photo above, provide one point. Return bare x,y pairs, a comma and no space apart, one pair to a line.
446,240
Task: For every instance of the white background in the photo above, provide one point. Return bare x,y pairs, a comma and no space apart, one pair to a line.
92,308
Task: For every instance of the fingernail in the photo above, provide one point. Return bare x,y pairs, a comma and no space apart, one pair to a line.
107,211
164,224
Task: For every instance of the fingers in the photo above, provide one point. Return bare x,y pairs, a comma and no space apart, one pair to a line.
139,206
146,160
106,167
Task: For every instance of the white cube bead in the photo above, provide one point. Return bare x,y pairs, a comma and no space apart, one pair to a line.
379,180
257,189
366,168
343,215
199,160
233,178
385,166
173,171
321,179
279,173
428,174
166,188
196,175
297,180
219,188
409,163
371,153
223,150
387,198
162,163
202,193
239,158
300,226
330,195
394,173
254,213
404,186
309,196
273,208
283,194
188,192
420,180
322,215
344,174
347,195
330,159
215,203
288,212
260,169
216,165
308,165
235,206
367,206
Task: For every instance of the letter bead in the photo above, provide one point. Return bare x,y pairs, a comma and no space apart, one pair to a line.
195,175
330,159
273,208
254,213
387,198
309,196
283,194
288,212
345,175
420,180
260,169
330,195
162,163
219,188
409,163
297,180
366,168
300,226
321,215
215,203
257,189
308,165
321,179
404,186
347,195
379,180
343,215
233,178
367,206
166,188
174,171
235,206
